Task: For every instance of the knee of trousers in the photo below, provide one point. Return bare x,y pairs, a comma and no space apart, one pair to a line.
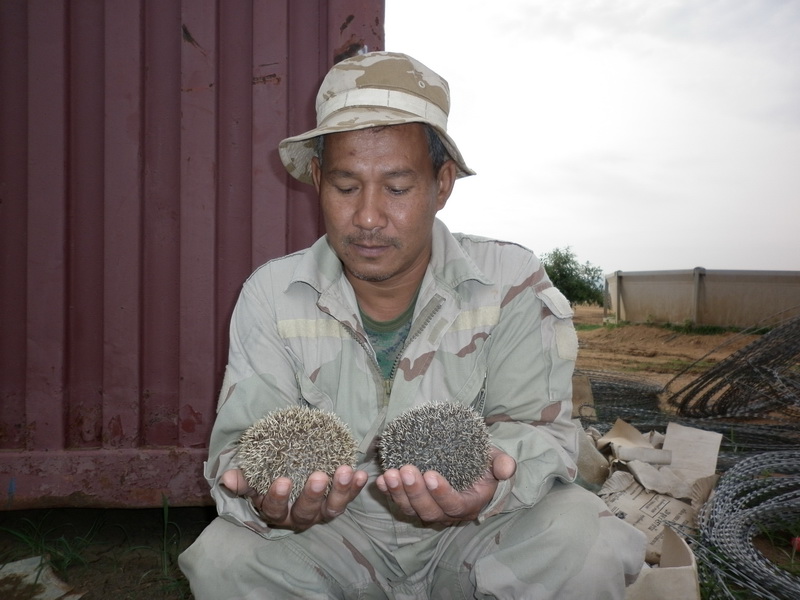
229,561
565,524
219,559
577,523
563,547
611,548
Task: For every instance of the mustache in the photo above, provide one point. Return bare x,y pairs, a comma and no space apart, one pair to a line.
371,239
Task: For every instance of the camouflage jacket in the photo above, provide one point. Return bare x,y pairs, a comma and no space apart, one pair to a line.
489,330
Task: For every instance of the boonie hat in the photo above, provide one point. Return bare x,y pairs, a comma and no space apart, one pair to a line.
375,89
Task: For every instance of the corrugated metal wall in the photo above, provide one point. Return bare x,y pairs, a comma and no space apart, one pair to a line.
139,186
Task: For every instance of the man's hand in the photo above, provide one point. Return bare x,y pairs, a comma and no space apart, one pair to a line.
312,505
431,498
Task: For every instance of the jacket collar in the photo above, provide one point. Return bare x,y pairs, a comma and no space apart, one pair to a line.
450,265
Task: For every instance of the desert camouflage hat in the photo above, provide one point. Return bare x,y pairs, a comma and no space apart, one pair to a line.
374,90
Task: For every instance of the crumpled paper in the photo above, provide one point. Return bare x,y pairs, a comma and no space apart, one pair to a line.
33,579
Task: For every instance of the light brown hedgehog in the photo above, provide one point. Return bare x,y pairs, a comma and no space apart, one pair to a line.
294,442
446,437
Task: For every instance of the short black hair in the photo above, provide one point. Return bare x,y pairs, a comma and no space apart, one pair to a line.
436,149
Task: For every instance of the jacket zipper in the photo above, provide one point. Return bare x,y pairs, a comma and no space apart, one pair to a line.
376,369
424,319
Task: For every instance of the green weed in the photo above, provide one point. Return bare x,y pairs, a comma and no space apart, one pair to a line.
170,543
587,327
59,550
171,578
775,541
689,327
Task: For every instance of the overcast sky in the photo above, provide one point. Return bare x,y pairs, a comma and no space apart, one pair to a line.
644,134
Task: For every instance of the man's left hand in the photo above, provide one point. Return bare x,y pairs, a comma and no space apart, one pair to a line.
430,497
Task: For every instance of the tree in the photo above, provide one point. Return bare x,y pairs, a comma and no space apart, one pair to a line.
580,283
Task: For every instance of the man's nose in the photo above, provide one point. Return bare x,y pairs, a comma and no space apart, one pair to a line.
369,214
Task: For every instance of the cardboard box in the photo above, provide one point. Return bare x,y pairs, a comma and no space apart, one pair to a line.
582,398
659,485
645,510
675,578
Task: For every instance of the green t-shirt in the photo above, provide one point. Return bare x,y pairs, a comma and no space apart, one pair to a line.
388,338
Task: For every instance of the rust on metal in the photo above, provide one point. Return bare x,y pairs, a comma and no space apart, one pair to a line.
346,22
103,478
271,78
140,187
350,48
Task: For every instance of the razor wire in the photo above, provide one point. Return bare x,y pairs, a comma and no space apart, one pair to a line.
759,496
759,381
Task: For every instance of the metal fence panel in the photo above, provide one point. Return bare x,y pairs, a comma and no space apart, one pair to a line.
720,298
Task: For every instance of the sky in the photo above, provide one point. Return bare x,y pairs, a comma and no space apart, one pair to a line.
642,134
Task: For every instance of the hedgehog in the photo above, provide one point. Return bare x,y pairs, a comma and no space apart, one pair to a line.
446,437
294,442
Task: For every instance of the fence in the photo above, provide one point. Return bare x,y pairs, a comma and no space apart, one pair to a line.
704,297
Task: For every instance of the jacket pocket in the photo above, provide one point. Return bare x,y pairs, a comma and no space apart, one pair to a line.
306,388
473,392
566,339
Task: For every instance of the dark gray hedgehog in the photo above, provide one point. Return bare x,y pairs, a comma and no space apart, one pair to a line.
446,437
294,442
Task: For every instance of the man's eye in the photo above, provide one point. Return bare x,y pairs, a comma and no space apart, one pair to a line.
345,190
398,191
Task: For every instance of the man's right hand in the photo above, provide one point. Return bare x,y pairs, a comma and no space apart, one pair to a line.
312,506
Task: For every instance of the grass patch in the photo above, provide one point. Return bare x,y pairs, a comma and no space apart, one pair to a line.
688,327
587,327
122,554
170,546
612,324
61,547
775,543
165,575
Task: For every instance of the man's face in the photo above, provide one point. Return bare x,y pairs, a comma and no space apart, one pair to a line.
379,197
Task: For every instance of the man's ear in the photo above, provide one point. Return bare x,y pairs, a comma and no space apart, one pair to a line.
316,172
445,180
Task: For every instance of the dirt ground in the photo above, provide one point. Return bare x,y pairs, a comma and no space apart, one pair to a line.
119,554
131,554
651,352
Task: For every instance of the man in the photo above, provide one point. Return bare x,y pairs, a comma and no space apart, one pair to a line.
389,311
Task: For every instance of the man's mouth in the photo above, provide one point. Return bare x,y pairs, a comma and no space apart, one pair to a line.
370,250
370,247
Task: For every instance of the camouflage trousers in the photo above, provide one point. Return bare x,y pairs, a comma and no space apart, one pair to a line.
567,546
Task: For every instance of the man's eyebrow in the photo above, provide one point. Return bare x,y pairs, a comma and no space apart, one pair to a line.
400,173
340,173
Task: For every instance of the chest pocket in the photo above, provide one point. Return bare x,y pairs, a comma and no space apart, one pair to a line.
564,335
306,388
473,392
